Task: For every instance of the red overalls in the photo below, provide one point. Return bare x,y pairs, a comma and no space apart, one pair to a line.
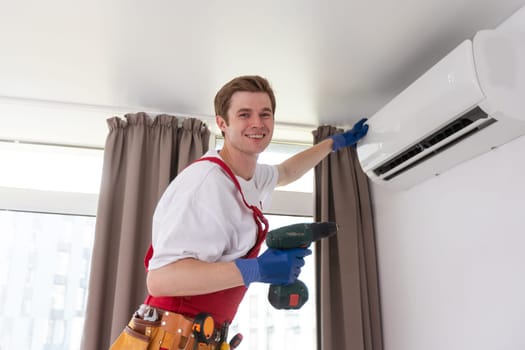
222,305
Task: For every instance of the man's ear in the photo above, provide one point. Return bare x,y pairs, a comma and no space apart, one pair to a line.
221,123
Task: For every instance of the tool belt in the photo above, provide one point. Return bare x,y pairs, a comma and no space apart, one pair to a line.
155,329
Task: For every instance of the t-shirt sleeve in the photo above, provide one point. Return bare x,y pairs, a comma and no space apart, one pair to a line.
186,226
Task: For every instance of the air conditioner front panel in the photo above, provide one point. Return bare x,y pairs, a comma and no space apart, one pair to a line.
419,109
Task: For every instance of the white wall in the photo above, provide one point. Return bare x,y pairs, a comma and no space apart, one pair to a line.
452,257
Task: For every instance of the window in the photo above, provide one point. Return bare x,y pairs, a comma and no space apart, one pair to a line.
47,227
45,254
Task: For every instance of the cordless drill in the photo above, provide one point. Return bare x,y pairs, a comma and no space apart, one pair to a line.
293,296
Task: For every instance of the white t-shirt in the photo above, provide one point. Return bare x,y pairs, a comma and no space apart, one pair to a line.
201,214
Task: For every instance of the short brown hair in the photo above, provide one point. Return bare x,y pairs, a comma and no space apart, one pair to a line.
250,83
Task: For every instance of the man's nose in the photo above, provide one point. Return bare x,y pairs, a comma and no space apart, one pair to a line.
258,121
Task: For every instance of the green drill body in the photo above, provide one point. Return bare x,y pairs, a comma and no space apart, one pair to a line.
295,295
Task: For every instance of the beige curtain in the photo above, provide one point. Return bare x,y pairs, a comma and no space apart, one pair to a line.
142,155
348,305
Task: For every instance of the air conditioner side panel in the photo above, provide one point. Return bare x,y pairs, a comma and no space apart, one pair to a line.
500,66
446,91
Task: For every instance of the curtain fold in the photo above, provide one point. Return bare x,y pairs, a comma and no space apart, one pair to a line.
348,304
141,156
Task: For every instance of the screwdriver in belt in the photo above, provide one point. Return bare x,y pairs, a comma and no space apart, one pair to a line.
234,342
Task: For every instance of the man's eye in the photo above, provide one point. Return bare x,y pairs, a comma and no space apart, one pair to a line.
266,115
244,115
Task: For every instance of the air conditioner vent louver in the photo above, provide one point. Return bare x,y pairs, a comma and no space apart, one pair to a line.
448,130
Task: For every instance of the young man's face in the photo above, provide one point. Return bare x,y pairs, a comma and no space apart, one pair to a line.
250,122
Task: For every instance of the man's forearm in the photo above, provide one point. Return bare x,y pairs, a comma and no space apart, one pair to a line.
193,277
297,165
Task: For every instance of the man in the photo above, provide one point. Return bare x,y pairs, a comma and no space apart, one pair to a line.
208,226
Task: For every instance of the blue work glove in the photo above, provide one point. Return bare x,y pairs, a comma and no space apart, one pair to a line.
275,266
350,137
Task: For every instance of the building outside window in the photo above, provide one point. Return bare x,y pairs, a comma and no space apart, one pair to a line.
44,262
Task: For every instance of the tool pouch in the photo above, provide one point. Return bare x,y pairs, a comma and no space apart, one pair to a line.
139,335
171,331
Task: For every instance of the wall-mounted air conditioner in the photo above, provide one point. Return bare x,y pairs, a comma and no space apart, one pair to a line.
470,102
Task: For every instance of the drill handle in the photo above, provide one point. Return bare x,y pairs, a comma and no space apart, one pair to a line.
289,296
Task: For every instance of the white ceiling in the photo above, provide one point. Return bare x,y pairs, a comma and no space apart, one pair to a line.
330,62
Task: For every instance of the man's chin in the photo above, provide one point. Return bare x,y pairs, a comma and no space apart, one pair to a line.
259,148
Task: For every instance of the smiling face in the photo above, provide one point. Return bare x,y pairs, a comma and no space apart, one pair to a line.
249,125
